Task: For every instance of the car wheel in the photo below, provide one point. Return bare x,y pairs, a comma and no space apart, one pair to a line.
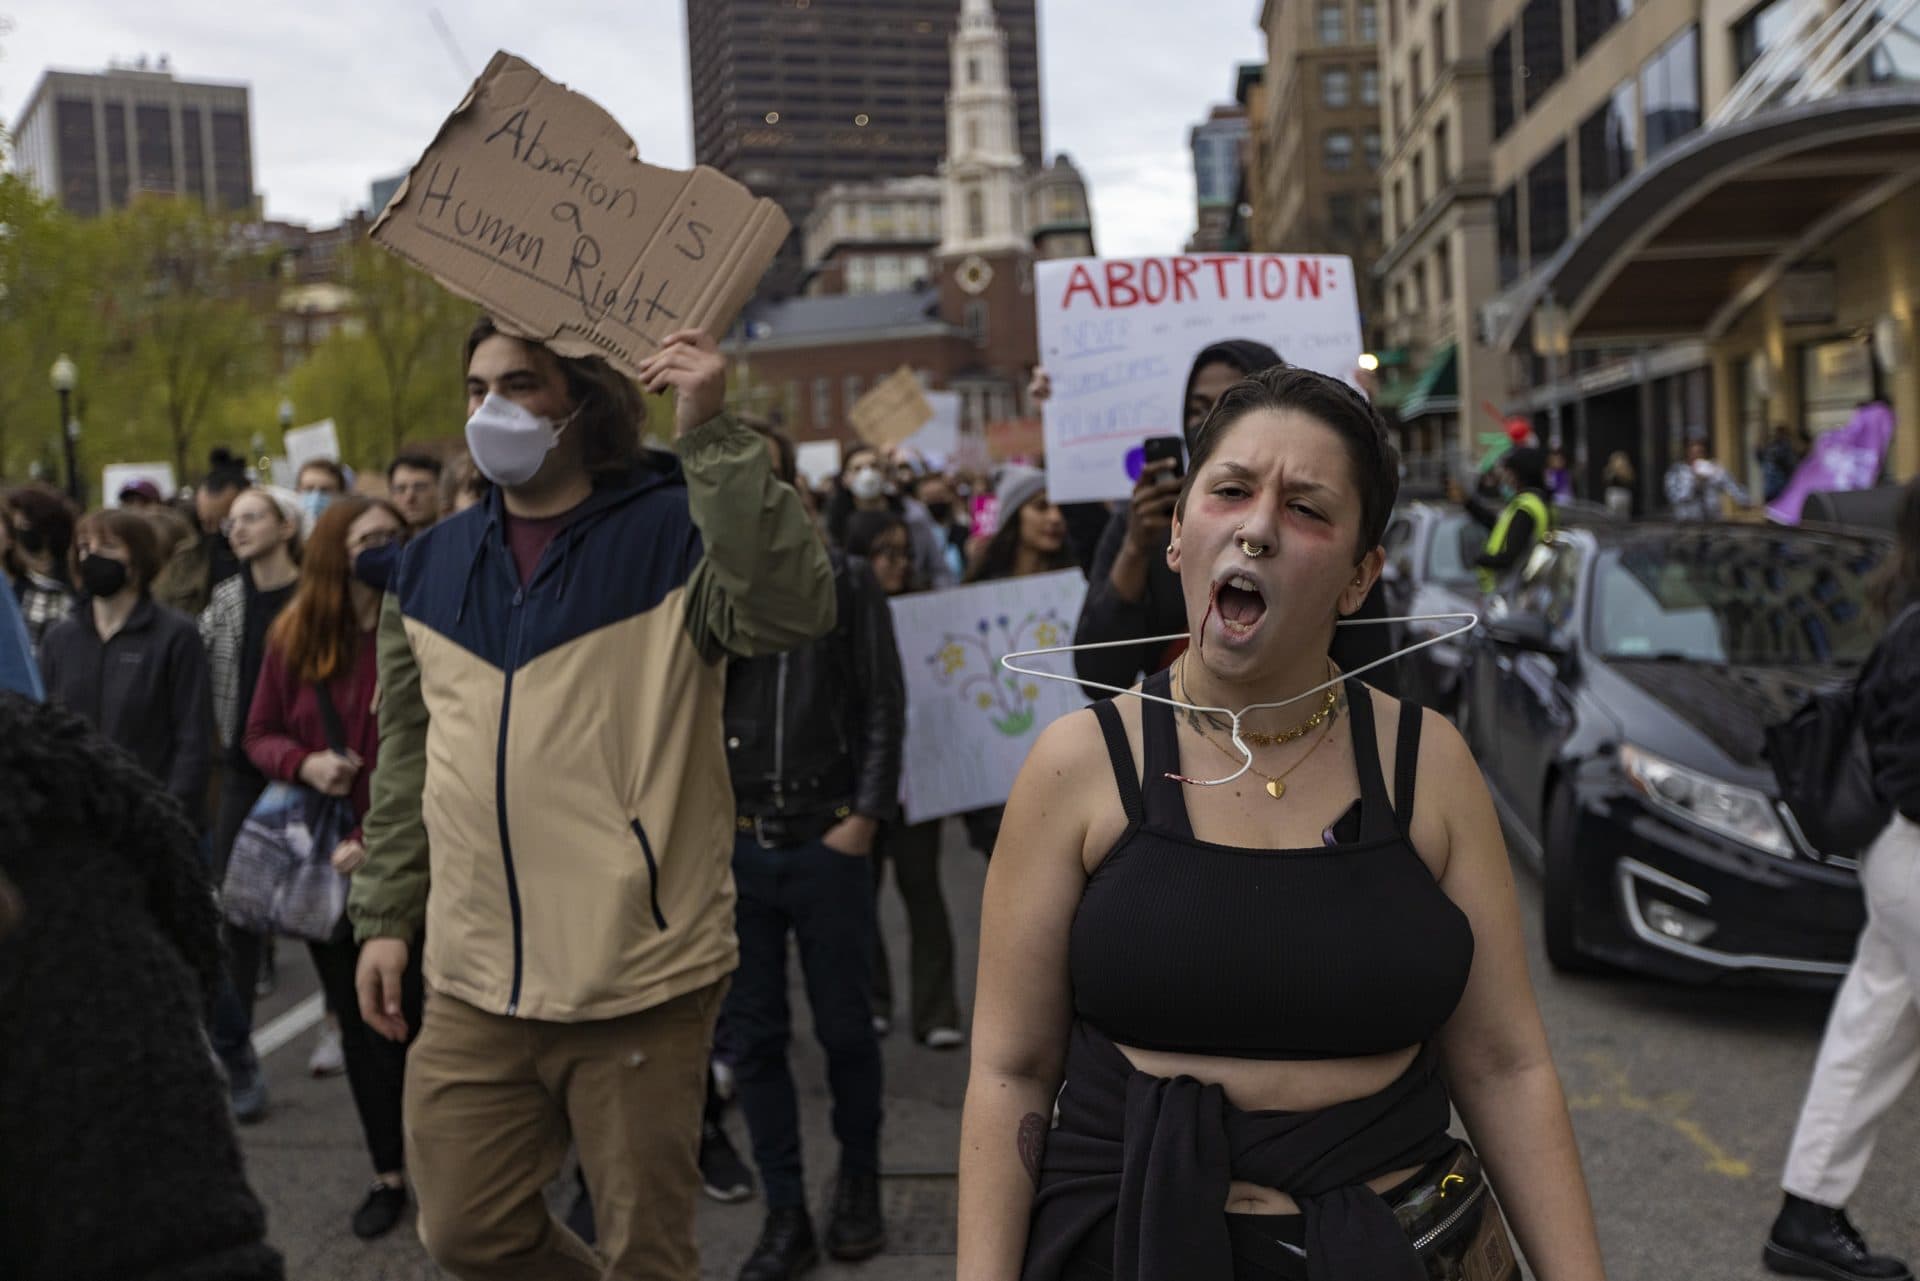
1558,888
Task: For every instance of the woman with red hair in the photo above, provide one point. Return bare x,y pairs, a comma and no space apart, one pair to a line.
321,647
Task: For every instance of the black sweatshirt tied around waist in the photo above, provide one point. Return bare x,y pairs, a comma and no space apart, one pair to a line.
1159,1154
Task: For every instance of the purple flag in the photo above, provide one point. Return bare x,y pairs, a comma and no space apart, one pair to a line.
1846,458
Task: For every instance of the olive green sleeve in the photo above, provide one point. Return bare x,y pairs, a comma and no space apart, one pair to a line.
763,583
388,897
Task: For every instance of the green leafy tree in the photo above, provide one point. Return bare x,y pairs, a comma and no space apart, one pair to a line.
410,332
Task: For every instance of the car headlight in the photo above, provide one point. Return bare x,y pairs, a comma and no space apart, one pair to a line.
1740,813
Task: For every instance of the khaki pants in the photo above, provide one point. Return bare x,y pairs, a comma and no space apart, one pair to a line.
491,1103
1871,1050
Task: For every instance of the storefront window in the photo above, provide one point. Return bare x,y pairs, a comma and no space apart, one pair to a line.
1670,92
1835,377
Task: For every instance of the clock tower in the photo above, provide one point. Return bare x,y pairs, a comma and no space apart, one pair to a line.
986,254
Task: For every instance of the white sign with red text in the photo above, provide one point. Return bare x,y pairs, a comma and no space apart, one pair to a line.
1118,337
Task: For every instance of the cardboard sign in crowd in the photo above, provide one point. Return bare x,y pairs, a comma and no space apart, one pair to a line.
534,203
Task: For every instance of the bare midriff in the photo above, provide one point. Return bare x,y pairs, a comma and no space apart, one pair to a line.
1289,1085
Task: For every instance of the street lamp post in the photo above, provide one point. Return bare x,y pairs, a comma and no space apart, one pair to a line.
63,376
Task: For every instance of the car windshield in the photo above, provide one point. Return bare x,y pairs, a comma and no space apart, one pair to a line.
1444,562
1760,598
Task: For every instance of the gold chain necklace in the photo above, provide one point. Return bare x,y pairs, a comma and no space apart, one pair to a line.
1298,732
1276,783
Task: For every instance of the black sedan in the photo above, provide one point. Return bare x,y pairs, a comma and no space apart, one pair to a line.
1616,697
1429,570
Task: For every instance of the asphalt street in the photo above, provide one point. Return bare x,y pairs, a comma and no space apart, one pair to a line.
1683,1099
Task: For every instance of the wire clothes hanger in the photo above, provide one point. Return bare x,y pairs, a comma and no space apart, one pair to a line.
1471,621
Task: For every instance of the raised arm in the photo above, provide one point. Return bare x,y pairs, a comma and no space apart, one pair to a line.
1494,1049
1023,1006
764,583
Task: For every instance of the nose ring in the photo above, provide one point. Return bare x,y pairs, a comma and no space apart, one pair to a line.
1253,549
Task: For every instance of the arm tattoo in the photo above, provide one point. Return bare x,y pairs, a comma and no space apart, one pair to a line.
1032,1142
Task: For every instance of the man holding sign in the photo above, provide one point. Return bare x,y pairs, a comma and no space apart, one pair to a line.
551,668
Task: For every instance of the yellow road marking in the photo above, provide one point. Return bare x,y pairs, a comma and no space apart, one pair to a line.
1669,1108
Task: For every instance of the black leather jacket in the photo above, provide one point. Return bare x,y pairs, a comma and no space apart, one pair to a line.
820,727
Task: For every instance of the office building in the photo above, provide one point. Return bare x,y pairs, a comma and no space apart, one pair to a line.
1217,144
1315,186
1703,214
791,97
93,141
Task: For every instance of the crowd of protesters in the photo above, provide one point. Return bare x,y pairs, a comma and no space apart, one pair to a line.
591,951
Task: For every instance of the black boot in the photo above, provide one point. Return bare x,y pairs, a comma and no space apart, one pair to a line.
785,1248
855,1230
1811,1240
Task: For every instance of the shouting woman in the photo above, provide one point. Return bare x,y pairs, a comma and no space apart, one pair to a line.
1262,996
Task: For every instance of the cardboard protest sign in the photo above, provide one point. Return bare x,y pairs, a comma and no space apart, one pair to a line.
534,203
1016,440
316,440
940,437
817,460
115,477
970,722
892,410
1118,337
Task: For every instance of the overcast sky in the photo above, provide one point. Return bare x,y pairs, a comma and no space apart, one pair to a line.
346,91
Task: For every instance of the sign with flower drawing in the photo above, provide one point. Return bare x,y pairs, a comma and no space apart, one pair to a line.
970,721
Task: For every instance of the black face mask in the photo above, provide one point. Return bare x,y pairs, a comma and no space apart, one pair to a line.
31,541
942,512
375,565
102,576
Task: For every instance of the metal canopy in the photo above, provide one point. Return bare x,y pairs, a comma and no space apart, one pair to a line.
1688,243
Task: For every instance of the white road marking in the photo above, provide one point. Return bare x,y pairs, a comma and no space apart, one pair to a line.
289,1025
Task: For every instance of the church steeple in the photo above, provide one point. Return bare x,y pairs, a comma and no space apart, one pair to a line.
983,168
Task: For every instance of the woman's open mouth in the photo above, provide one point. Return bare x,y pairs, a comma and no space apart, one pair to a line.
1240,604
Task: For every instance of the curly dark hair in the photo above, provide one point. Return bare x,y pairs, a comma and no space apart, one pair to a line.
60,780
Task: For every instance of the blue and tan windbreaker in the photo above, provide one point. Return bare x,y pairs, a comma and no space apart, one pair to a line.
551,798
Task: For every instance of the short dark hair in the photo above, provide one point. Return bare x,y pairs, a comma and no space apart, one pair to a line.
132,531
1528,465
864,529
609,411
326,465
49,512
225,470
416,460
1370,450
788,468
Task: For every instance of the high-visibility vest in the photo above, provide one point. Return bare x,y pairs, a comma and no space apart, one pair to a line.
1525,501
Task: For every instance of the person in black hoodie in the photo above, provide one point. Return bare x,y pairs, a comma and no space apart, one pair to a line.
813,746
117,1159
1871,1049
135,669
1130,590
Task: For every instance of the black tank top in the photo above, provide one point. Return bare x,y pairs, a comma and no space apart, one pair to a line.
1185,946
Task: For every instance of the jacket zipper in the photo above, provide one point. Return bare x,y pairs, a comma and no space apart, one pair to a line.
500,799
779,732
653,872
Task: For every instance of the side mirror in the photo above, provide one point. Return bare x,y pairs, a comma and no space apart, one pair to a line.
1528,632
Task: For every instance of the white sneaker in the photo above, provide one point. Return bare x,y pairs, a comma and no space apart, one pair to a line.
946,1038
327,1058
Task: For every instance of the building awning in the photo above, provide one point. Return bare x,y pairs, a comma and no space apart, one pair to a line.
1685,246
1436,390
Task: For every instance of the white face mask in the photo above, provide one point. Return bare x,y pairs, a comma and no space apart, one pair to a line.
867,484
508,441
